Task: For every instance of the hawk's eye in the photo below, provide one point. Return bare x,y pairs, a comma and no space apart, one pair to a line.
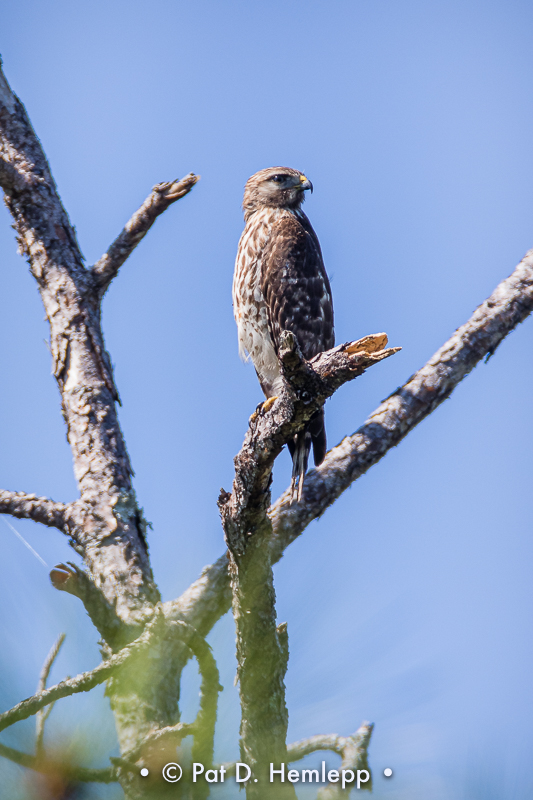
278,178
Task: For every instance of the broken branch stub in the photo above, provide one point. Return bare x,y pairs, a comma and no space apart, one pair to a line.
309,384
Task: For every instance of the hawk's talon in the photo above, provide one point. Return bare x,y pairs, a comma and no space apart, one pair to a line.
267,405
255,414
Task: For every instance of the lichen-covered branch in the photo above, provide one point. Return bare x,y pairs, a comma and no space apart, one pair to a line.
262,649
354,753
160,198
261,665
204,724
352,749
39,509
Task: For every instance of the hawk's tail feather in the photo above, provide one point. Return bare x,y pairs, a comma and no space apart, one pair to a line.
317,430
300,447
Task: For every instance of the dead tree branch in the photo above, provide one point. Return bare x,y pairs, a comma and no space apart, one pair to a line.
43,714
262,649
68,577
262,653
354,753
108,523
86,680
331,741
38,509
352,749
508,306
160,198
203,728
209,597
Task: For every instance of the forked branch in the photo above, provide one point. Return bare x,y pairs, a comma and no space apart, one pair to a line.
262,647
353,750
86,680
160,198
208,598
203,727
354,753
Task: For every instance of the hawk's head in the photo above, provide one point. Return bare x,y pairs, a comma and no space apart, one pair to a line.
276,187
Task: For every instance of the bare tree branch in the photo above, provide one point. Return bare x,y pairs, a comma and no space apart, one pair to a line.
107,521
68,577
354,752
86,680
160,198
203,727
352,749
51,767
509,304
39,509
262,649
262,652
44,713
209,597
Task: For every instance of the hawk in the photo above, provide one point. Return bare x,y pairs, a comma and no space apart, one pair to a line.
280,283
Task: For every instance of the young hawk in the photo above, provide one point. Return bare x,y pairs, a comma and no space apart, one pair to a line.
280,283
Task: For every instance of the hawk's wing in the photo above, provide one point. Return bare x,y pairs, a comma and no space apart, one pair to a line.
295,285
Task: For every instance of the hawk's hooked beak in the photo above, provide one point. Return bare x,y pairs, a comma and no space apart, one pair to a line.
305,184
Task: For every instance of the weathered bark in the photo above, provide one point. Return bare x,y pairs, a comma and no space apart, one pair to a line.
106,524
308,385
38,509
262,653
209,597
261,656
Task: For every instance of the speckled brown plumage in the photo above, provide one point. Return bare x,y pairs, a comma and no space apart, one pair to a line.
280,283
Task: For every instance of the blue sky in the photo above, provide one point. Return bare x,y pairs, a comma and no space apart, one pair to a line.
409,603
